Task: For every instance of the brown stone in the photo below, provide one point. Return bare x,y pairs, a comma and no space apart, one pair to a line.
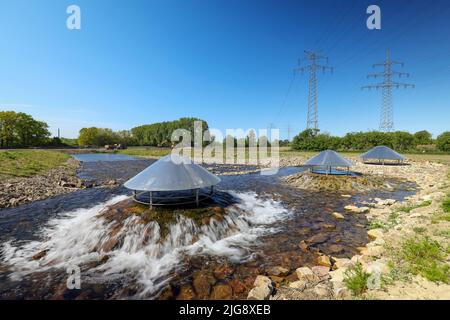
237,286
222,292
303,245
186,293
222,271
336,248
40,255
324,261
202,284
318,238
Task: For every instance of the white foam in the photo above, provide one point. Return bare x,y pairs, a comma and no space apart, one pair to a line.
141,255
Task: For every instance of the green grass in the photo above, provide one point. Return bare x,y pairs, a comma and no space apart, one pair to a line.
419,230
356,280
426,257
377,224
151,152
446,204
409,208
25,163
443,233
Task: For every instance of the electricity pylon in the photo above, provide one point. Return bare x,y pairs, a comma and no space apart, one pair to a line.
387,108
312,67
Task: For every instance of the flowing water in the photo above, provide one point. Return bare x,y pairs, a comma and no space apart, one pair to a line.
125,251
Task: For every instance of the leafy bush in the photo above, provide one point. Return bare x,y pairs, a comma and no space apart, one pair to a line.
443,141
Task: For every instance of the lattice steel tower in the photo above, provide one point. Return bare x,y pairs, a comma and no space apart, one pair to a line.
387,108
312,67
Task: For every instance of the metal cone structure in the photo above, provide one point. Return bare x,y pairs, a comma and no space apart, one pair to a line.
172,179
382,154
327,162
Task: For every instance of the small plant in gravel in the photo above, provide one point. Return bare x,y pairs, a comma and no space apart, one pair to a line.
446,204
409,208
355,279
419,230
426,257
443,233
377,224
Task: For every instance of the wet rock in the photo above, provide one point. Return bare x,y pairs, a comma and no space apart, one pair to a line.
186,293
237,286
203,283
303,245
109,244
166,293
356,209
318,238
328,226
335,248
223,271
278,271
222,292
338,216
40,255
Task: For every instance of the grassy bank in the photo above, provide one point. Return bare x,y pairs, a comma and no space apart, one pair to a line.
25,163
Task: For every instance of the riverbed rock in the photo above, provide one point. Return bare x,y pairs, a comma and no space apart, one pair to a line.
202,284
355,209
222,292
186,293
338,216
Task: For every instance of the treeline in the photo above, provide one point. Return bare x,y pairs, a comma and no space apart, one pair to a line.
99,137
19,130
156,134
160,134
312,140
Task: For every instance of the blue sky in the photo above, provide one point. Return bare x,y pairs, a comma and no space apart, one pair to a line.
229,62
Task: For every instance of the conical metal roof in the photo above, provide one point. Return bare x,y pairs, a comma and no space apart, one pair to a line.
172,173
329,158
382,153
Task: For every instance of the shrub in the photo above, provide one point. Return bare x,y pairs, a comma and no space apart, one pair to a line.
356,279
443,141
425,257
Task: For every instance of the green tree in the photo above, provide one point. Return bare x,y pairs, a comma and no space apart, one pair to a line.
443,141
422,138
402,140
18,129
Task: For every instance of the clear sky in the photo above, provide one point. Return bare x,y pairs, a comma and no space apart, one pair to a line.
229,62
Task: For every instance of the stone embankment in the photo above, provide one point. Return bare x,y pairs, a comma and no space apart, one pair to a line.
21,190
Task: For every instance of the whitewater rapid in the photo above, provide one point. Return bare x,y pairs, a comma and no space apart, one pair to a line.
143,255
